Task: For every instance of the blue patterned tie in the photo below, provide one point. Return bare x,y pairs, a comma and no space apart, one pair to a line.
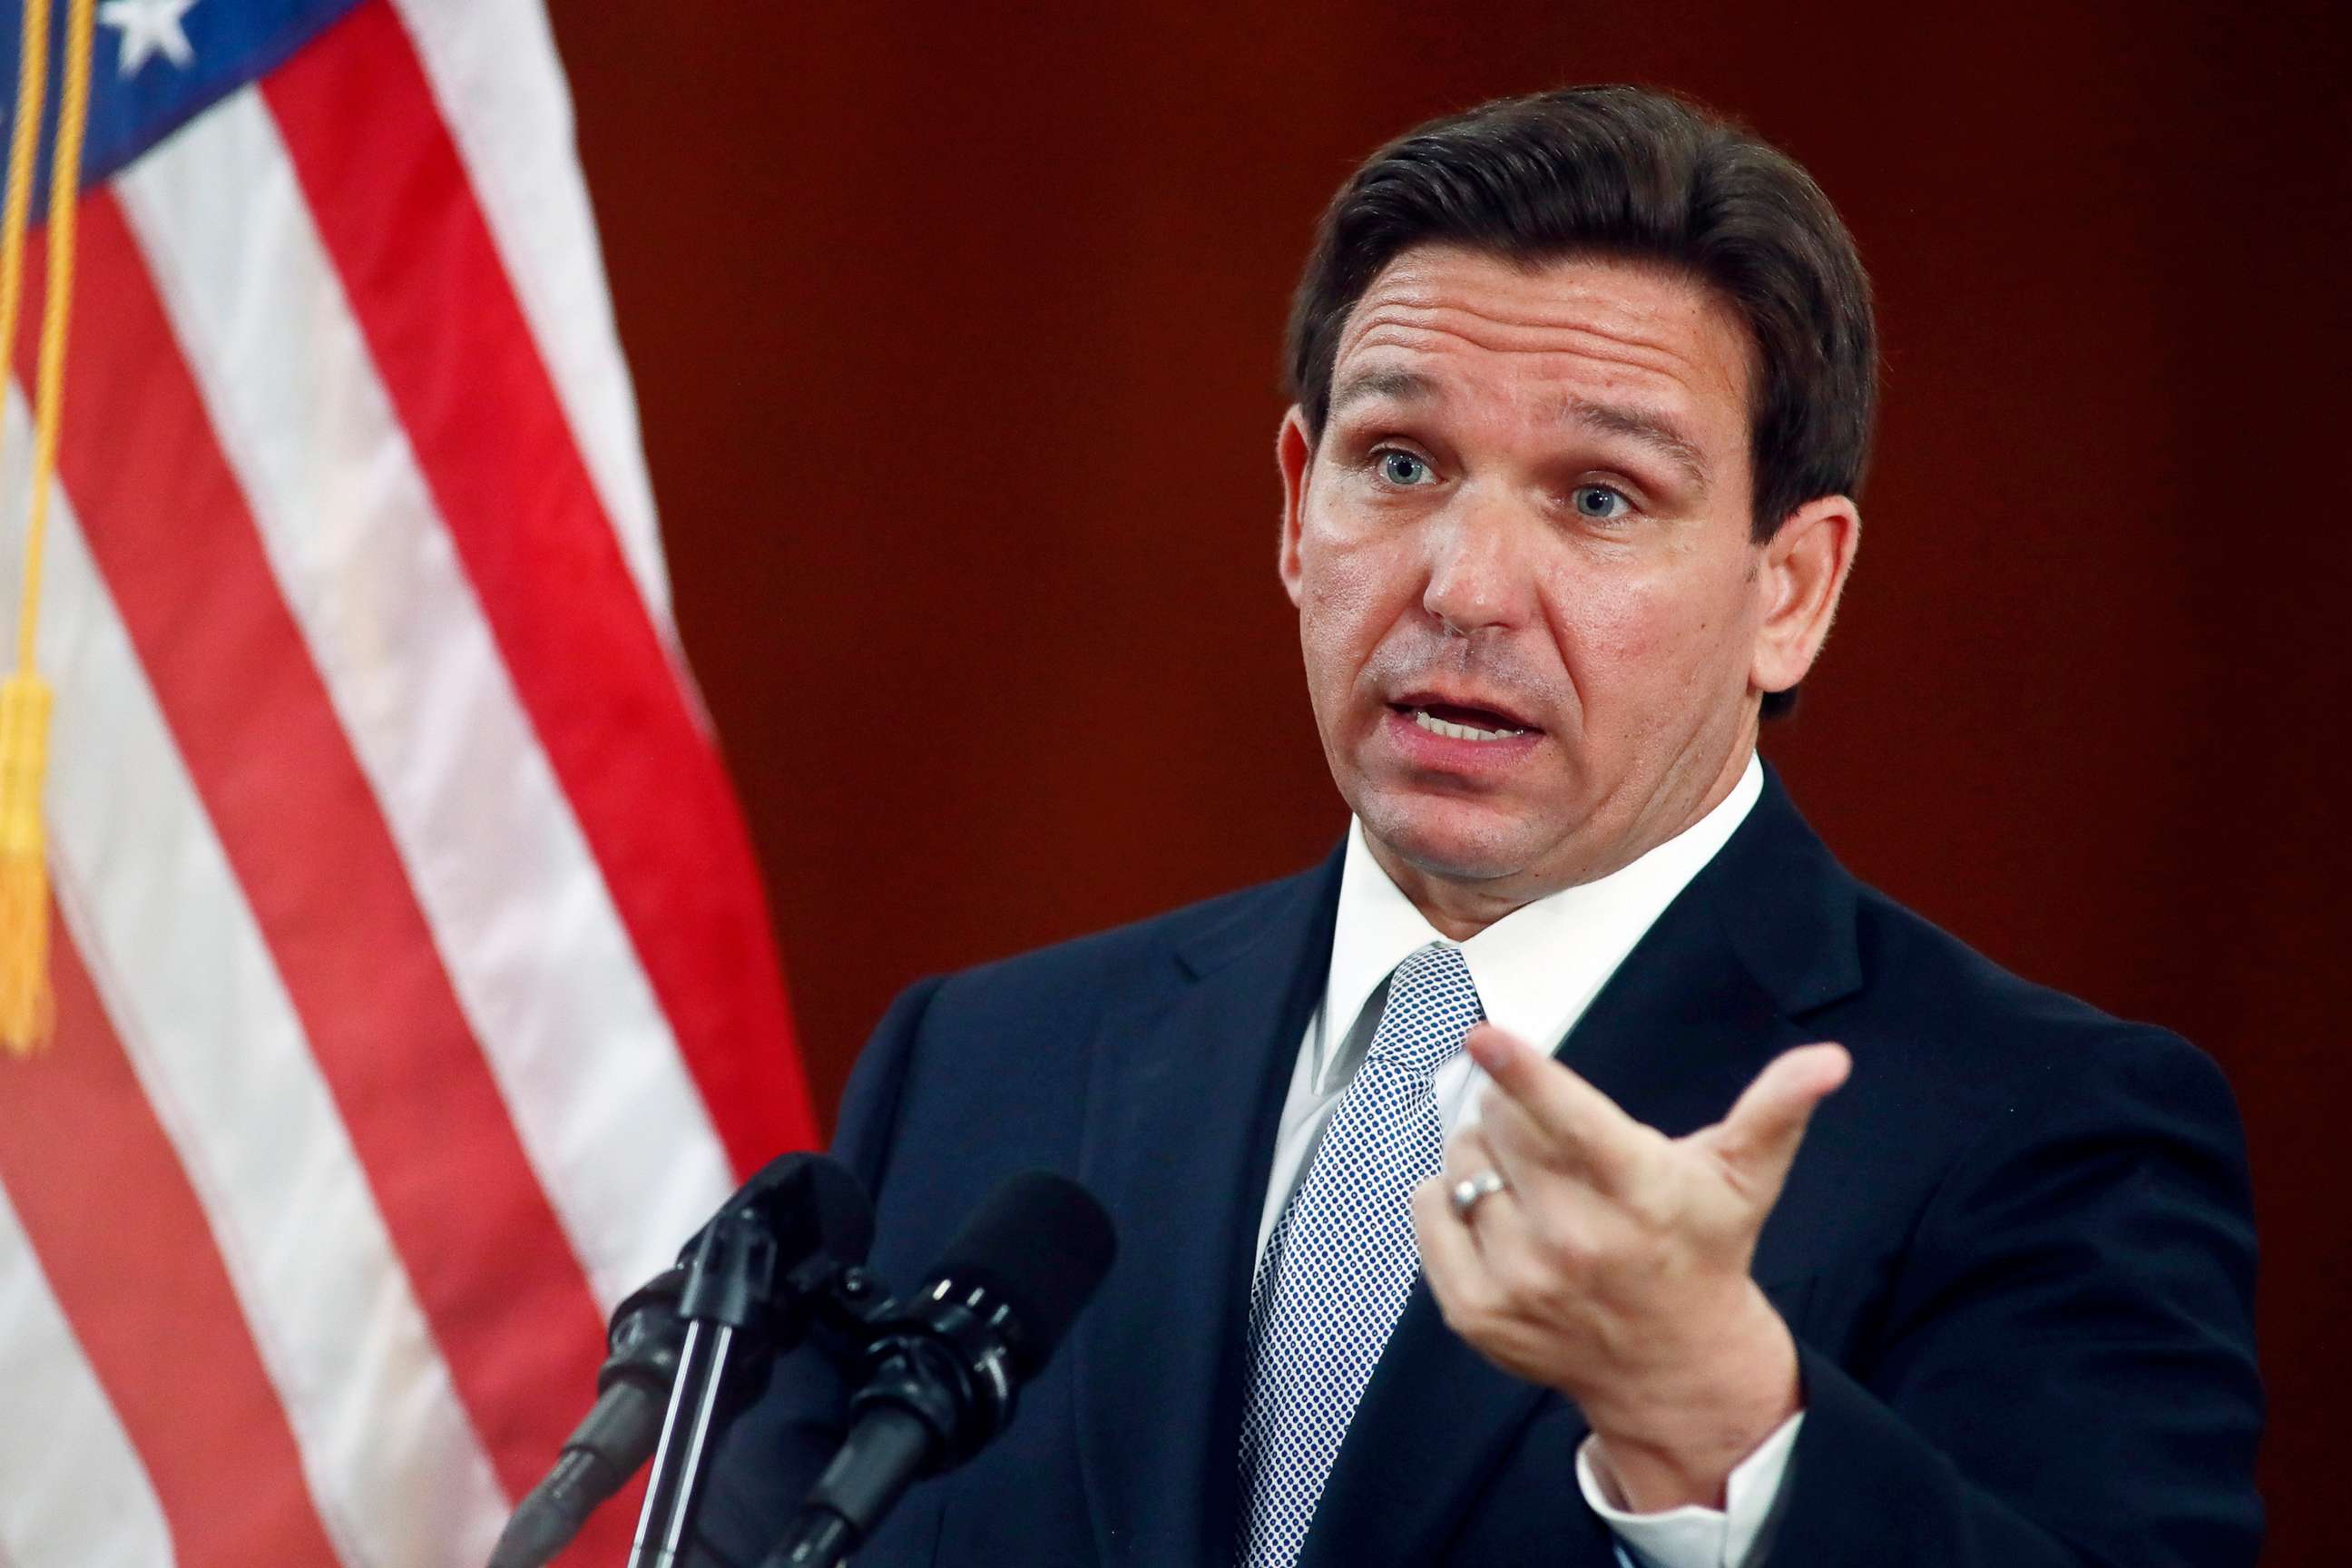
1342,1259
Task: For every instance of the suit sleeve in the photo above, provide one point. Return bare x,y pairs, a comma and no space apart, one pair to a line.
768,1458
2065,1376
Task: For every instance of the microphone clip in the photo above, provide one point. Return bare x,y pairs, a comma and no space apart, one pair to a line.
951,1356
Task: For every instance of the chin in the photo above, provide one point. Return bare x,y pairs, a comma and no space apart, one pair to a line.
1458,840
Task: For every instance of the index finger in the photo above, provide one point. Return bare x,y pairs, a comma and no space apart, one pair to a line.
1584,1124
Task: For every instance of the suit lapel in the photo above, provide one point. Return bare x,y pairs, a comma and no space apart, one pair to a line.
1181,1125
1701,1003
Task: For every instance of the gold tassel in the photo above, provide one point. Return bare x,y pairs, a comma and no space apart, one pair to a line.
28,1005
27,1008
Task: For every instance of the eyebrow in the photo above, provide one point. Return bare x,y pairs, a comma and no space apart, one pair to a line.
1654,431
1402,385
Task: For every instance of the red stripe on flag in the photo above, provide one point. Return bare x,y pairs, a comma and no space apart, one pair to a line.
128,1253
398,215
169,529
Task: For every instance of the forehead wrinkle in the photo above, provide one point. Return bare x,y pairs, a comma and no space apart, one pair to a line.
1412,330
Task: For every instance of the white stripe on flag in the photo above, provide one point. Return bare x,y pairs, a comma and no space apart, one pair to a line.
495,74
583,1057
181,969
76,1494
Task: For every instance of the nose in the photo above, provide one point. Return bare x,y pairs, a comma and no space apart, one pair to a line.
1480,578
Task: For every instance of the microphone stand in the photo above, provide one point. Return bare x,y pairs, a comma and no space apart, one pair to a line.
732,1295
730,1288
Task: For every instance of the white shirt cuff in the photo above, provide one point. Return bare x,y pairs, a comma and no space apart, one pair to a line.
1692,1536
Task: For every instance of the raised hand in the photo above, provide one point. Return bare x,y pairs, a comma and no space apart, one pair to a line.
1613,1262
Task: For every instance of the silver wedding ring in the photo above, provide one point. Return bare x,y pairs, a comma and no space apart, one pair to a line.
1470,1189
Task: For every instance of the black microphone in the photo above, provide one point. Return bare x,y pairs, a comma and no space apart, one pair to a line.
809,1205
948,1362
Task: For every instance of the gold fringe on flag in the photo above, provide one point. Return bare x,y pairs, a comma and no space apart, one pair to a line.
28,1005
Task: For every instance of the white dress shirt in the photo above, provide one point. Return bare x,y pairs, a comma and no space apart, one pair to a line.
1537,970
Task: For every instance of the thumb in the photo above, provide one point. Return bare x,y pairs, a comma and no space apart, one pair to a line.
1759,1138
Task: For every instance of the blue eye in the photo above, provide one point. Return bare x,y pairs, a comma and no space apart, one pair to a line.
1600,502
1403,469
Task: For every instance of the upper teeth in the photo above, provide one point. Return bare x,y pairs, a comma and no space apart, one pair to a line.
1459,731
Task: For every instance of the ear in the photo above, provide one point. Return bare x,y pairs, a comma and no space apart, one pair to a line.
1294,453
1801,573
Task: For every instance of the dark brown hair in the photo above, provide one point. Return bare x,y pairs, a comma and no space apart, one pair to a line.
1623,172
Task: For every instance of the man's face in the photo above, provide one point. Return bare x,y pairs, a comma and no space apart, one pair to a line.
1529,604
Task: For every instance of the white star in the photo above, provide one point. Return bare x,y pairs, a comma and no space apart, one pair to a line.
149,26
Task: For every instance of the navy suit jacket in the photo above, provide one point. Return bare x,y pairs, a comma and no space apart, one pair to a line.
2016,1249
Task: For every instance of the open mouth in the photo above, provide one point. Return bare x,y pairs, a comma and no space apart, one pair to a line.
1462,722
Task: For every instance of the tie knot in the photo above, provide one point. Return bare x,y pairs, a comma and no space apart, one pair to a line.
1432,1002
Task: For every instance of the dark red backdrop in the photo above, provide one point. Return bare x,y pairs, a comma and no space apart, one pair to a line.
955,341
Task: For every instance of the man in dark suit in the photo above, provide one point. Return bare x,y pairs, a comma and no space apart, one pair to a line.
1584,386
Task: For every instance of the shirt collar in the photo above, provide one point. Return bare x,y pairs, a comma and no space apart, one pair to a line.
1538,966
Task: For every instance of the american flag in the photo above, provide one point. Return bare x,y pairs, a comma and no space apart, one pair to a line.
416,994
